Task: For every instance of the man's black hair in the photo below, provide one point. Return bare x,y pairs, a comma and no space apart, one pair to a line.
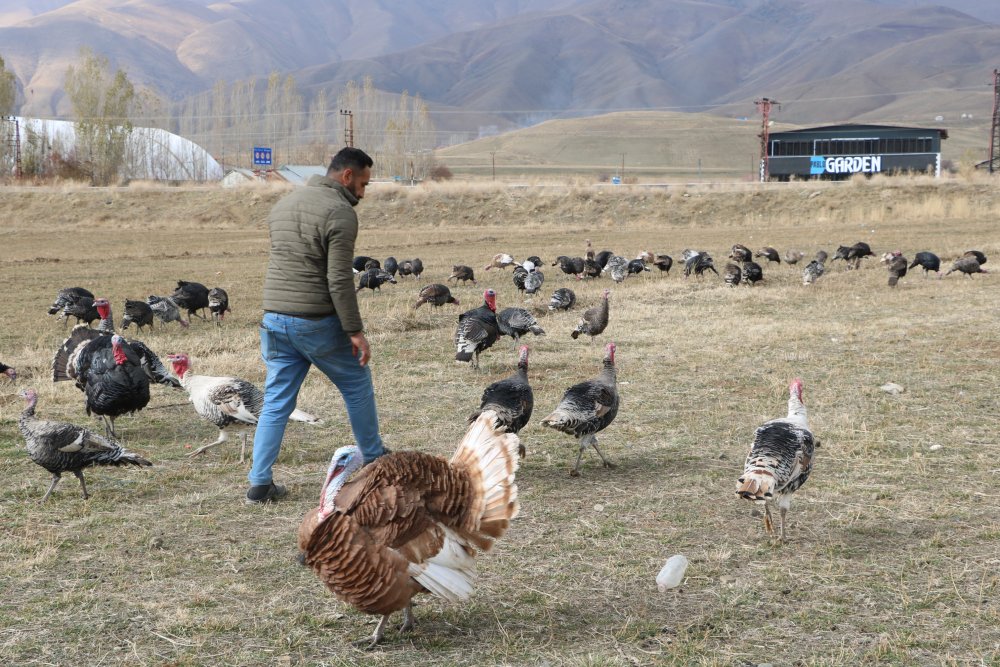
349,157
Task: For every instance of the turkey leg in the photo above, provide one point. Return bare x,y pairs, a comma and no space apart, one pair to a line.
55,480
408,624
593,443
368,643
83,484
223,437
575,472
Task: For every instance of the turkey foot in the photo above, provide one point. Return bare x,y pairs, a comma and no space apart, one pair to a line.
369,643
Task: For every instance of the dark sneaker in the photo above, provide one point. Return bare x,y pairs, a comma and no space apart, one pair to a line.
265,493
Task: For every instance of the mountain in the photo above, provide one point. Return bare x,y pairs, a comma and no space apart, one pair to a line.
517,62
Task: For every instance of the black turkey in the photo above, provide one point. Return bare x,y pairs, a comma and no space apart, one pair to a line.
83,309
594,320
61,447
218,304
373,279
191,297
780,460
572,266
477,330
68,295
435,294
138,313
753,273
463,273
516,322
602,258
591,269
562,299
980,257
411,267
928,261
362,263
391,265
854,254
741,253
166,310
511,399
732,274
698,263
588,408
770,253
663,263
636,266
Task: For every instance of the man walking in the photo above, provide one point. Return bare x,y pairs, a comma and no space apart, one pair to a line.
311,314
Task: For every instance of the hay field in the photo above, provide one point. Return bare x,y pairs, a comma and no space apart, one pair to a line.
892,557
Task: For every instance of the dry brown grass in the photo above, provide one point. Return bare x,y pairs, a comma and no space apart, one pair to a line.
892,557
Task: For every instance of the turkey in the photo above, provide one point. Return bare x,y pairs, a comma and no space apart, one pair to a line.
68,295
587,408
821,256
980,257
602,258
218,304
562,299
793,256
699,262
391,265
516,322
535,260
732,274
780,460
362,263
8,371
405,268
646,257
501,260
463,273
854,254
511,399
519,276
636,266
740,253
83,309
591,269
435,294
416,267
770,253
166,310
812,272
138,313
594,320
571,266
967,265
373,279
928,261
617,268
410,522
113,373
61,447
477,330
753,273
663,263
227,402
896,264
191,297
533,281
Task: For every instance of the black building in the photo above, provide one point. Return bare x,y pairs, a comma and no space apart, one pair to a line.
839,151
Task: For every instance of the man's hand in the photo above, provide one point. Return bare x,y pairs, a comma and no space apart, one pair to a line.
360,344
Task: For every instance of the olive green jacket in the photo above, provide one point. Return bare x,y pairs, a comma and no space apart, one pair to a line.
310,272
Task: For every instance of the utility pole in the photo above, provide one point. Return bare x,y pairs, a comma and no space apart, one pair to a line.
622,173
15,142
493,159
994,159
348,128
764,105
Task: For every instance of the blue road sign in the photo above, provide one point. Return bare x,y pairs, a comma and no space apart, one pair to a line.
261,155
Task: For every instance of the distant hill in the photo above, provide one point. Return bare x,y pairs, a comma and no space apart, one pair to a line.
485,65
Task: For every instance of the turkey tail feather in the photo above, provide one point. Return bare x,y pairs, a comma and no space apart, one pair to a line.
756,485
302,416
80,335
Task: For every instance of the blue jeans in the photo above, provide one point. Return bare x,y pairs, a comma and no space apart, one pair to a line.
289,346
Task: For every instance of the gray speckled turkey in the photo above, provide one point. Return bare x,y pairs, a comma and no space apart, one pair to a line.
516,322
511,399
562,299
62,447
166,310
588,408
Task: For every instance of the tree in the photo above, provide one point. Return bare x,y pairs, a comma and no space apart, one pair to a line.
103,105
8,90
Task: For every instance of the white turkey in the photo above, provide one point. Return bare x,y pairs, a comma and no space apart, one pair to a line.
166,310
617,268
227,402
62,447
501,260
588,408
780,460
409,522
812,272
533,281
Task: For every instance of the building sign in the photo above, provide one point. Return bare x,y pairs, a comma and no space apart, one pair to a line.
869,164
261,156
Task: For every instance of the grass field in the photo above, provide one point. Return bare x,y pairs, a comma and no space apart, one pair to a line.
893,556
